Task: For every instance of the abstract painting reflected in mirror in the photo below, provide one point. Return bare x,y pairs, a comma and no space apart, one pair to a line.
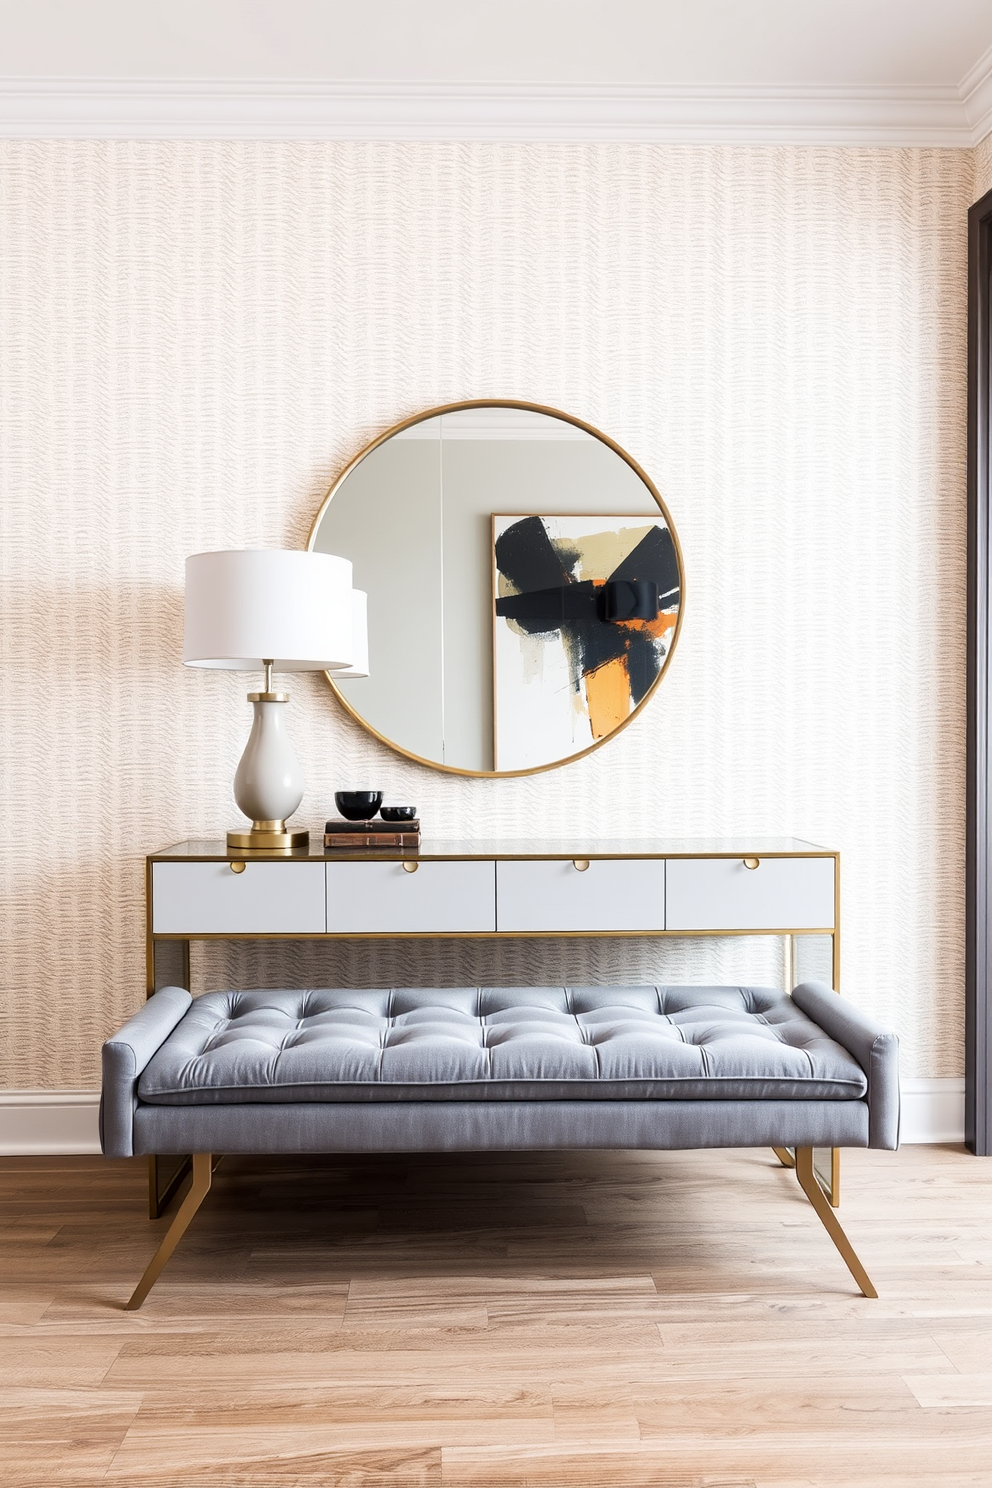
454,673
585,610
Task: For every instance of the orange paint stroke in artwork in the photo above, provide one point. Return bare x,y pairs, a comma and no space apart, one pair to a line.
608,697
665,620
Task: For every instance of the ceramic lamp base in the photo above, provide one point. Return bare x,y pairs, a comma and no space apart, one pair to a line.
269,783
270,836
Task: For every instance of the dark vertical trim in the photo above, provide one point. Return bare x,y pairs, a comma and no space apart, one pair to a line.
978,1000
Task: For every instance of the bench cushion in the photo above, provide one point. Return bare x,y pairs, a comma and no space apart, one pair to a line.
498,1043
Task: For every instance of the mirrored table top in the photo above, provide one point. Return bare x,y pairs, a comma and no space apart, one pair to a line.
441,848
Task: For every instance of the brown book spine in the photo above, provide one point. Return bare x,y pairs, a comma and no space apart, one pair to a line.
368,828
372,839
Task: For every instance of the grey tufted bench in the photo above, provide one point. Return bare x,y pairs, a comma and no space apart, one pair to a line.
497,1068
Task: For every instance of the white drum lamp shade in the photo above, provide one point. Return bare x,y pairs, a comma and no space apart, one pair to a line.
248,606
285,611
359,639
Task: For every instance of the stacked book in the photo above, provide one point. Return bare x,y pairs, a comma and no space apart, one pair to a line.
339,833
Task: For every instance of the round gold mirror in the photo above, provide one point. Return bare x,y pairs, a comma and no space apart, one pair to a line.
524,586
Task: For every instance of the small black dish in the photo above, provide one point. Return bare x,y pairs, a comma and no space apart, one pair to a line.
398,813
358,805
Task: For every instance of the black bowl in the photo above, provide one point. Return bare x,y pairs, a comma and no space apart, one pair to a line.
358,805
398,813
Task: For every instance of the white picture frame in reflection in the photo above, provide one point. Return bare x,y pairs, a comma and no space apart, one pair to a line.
585,611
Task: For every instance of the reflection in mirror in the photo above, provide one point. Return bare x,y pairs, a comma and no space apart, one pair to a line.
524,587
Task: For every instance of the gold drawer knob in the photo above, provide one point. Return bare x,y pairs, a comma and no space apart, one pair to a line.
581,864
752,862
238,867
410,867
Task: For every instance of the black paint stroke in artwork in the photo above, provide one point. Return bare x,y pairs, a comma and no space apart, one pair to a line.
549,600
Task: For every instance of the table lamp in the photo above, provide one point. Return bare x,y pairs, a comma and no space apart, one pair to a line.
272,610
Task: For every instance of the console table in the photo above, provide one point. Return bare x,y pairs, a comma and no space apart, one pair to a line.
201,890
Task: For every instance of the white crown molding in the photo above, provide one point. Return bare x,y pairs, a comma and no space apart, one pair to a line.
976,96
37,1123
135,108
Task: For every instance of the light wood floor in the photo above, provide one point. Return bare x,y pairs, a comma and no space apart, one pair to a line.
610,1319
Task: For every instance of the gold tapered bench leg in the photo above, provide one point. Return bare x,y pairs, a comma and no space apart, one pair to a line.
199,1188
811,1188
830,1187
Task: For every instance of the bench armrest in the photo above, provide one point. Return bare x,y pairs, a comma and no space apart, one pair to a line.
125,1056
875,1049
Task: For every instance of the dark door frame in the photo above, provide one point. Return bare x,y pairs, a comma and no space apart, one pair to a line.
978,913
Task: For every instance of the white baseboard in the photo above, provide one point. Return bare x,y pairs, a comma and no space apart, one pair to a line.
37,1123
932,1110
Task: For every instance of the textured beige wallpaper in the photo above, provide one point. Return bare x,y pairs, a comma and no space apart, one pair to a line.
196,336
983,167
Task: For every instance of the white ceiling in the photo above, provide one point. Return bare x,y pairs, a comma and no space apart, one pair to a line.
930,60
763,42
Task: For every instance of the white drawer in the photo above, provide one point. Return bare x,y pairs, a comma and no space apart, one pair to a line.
384,898
611,894
266,899
723,894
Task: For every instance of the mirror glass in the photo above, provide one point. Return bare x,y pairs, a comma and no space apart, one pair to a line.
524,583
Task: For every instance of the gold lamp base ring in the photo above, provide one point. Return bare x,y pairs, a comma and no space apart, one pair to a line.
268,836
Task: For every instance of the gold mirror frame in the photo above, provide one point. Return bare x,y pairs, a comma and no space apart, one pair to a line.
430,413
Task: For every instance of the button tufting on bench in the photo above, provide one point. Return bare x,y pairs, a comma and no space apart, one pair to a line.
486,1043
